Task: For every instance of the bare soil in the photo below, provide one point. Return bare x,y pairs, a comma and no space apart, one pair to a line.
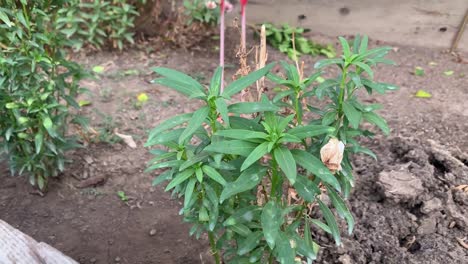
397,221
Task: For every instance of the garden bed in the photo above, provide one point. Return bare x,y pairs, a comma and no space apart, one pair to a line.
83,216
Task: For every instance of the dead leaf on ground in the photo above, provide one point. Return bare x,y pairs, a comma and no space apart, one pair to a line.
462,242
463,187
127,139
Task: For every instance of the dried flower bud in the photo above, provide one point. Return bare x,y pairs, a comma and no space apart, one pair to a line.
210,4
332,154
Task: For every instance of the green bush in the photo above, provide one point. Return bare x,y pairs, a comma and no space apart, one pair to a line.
251,173
38,86
97,23
202,11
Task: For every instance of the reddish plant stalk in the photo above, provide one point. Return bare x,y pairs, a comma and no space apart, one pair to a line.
243,24
221,44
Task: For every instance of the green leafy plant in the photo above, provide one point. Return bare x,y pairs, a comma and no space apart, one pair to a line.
38,86
122,196
97,23
254,175
202,11
281,38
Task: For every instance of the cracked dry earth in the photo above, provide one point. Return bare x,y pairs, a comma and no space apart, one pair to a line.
406,204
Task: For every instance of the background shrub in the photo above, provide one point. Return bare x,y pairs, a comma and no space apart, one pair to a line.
38,86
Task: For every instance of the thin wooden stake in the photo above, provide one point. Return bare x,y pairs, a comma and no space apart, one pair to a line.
461,29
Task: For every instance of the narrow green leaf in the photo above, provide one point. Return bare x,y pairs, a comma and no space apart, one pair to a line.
221,106
248,180
306,188
378,121
256,154
251,107
180,178
241,229
165,137
272,219
174,75
49,126
180,87
331,222
165,176
345,46
353,115
213,174
356,42
246,81
38,139
215,83
322,63
310,131
233,147
188,192
249,243
321,225
315,166
242,215
194,160
365,67
5,19
341,209
197,120
285,253
241,134
170,163
286,162
168,124
363,47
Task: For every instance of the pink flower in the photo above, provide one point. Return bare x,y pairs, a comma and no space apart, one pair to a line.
229,7
210,4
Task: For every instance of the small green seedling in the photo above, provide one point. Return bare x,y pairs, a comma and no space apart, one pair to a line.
123,197
418,71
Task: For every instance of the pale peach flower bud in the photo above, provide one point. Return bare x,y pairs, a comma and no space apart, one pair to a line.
332,154
210,4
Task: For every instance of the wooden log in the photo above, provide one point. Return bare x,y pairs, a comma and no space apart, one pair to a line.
19,248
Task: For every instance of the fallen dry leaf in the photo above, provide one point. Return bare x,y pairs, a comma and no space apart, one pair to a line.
127,139
462,243
463,187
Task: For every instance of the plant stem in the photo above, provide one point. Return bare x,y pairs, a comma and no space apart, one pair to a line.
214,251
221,45
341,99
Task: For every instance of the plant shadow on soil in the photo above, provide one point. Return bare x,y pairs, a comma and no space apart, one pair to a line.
405,204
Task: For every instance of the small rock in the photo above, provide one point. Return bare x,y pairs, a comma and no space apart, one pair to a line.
400,186
167,251
152,232
117,259
88,159
93,260
431,205
452,224
428,226
345,259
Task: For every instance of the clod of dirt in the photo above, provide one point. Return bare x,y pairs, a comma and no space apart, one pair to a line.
428,226
431,205
92,182
453,210
345,259
400,186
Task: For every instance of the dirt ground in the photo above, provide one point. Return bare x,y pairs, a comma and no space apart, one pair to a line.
405,204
